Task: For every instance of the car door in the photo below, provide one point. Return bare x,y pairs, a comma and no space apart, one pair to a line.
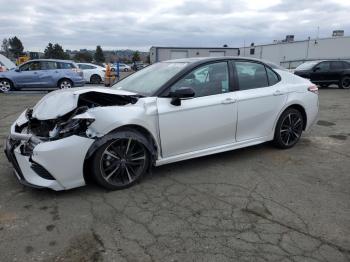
260,98
337,70
28,75
205,121
47,76
321,72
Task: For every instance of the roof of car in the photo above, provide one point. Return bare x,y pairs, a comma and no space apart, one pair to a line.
192,60
56,60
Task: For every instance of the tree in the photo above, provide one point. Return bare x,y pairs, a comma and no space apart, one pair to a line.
48,53
16,46
136,56
55,51
58,52
99,56
84,57
5,47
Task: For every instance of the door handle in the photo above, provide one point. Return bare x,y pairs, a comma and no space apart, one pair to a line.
278,93
229,101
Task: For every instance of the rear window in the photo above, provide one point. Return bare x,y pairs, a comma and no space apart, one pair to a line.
272,76
65,65
48,65
337,65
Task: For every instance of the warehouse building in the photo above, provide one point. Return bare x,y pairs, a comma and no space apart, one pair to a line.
158,54
289,53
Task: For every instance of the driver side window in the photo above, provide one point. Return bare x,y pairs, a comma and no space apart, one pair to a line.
33,66
211,79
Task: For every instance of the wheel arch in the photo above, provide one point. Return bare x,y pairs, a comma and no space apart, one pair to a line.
8,79
64,78
151,145
296,106
95,75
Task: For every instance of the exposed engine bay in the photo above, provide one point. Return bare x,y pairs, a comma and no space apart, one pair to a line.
67,124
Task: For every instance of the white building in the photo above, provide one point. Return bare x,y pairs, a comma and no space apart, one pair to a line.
158,54
290,54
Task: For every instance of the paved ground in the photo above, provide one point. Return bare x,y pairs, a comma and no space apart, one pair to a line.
254,204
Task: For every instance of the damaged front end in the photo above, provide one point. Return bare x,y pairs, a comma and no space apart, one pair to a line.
47,144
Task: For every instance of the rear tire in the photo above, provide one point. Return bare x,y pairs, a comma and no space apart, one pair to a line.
5,85
121,162
344,82
288,129
95,79
65,84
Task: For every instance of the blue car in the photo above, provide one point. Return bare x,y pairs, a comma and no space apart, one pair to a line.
42,73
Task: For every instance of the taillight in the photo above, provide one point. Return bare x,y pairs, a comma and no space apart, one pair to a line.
78,71
313,89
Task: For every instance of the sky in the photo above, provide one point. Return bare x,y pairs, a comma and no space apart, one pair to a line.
140,24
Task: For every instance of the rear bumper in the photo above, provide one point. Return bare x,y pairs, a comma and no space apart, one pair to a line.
57,165
79,83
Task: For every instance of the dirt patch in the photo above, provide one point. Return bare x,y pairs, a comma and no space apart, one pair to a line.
325,123
85,247
339,137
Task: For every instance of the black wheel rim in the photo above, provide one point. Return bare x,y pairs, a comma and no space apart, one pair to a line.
291,128
123,161
346,82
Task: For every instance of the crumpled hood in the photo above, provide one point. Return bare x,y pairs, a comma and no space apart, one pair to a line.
61,102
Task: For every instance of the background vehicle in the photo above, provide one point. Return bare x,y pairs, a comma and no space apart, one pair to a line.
6,63
326,72
2,67
157,116
93,74
42,73
137,66
122,67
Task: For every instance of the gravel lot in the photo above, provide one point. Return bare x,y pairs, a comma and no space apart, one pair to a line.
253,204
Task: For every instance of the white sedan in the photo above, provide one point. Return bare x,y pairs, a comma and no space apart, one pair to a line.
122,67
167,112
93,74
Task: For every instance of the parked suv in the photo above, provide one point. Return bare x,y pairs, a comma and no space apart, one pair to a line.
326,72
42,73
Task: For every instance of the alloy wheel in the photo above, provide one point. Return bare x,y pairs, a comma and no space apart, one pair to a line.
65,84
123,161
291,129
5,86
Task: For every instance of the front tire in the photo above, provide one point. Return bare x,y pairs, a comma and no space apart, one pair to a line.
65,84
5,85
95,79
121,162
288,129
344,82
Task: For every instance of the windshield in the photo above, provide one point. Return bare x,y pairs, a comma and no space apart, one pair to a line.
307,65
150,79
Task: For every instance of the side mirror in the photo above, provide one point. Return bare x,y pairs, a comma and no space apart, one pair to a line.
316,68
17,69
181,93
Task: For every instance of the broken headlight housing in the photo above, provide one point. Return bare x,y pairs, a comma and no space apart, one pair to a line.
75,126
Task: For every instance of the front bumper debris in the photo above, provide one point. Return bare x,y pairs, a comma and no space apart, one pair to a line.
47,164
